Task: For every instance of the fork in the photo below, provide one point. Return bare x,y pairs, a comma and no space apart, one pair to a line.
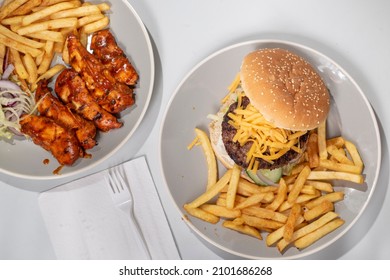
123,199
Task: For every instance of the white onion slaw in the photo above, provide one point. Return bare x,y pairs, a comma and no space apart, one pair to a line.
14,102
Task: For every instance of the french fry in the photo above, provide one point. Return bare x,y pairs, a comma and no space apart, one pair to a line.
300,199
239,199
332,197
321,186
298,184
321,130
250,201
5,3
49,24
336,175
243,229
292,219
212,191
282,244
51,2
352,150
2,56
23,40
16,20
298,168
212,172
312,150
268,198
342,167
88,19
76,12
96,26
335,152
265,214
322,208
2,51
245,185
19,46
276,235
310,238
39,58
306,189
48,35
31,68
10,7
19,67
238,221
280,196
65,53
261,223
60,47
41,14
221,211
47,57
26,7
233,185
51,72
201,214
103,7
336,141
290,179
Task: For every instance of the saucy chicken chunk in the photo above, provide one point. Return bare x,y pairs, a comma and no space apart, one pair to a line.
110,94
61,142
51,107
106,49
71,89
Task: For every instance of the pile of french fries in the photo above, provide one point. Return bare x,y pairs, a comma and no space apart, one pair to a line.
297,212
35,32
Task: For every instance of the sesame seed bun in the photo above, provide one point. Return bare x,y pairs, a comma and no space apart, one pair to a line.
285,89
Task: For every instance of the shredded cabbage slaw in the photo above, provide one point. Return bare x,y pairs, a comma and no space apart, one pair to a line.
14,102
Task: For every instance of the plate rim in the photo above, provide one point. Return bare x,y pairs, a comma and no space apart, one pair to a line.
342,232
132,131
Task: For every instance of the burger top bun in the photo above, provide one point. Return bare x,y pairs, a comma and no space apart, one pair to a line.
285,89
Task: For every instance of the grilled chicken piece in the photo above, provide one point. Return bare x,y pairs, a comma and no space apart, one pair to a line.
111,95
71,89
106,49
51,107
62,143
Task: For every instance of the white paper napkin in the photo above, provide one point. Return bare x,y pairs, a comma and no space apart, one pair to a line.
83,222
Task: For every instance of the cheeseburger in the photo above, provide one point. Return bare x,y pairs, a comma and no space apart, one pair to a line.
264,122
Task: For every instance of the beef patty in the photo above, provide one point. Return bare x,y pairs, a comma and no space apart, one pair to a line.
238,153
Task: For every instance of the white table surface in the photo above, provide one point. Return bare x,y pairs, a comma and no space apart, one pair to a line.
354,33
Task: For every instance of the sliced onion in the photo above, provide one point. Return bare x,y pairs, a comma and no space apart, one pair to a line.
266,180
13,103
7,71
15,131
6,84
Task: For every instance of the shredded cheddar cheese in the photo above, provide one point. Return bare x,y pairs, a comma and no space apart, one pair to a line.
232,88
268,142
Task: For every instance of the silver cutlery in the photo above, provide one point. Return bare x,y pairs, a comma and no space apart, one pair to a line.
123,199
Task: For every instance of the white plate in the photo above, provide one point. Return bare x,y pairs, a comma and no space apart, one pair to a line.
23,159
199,94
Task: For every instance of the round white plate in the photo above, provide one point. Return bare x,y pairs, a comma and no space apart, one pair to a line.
199,94
24,159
